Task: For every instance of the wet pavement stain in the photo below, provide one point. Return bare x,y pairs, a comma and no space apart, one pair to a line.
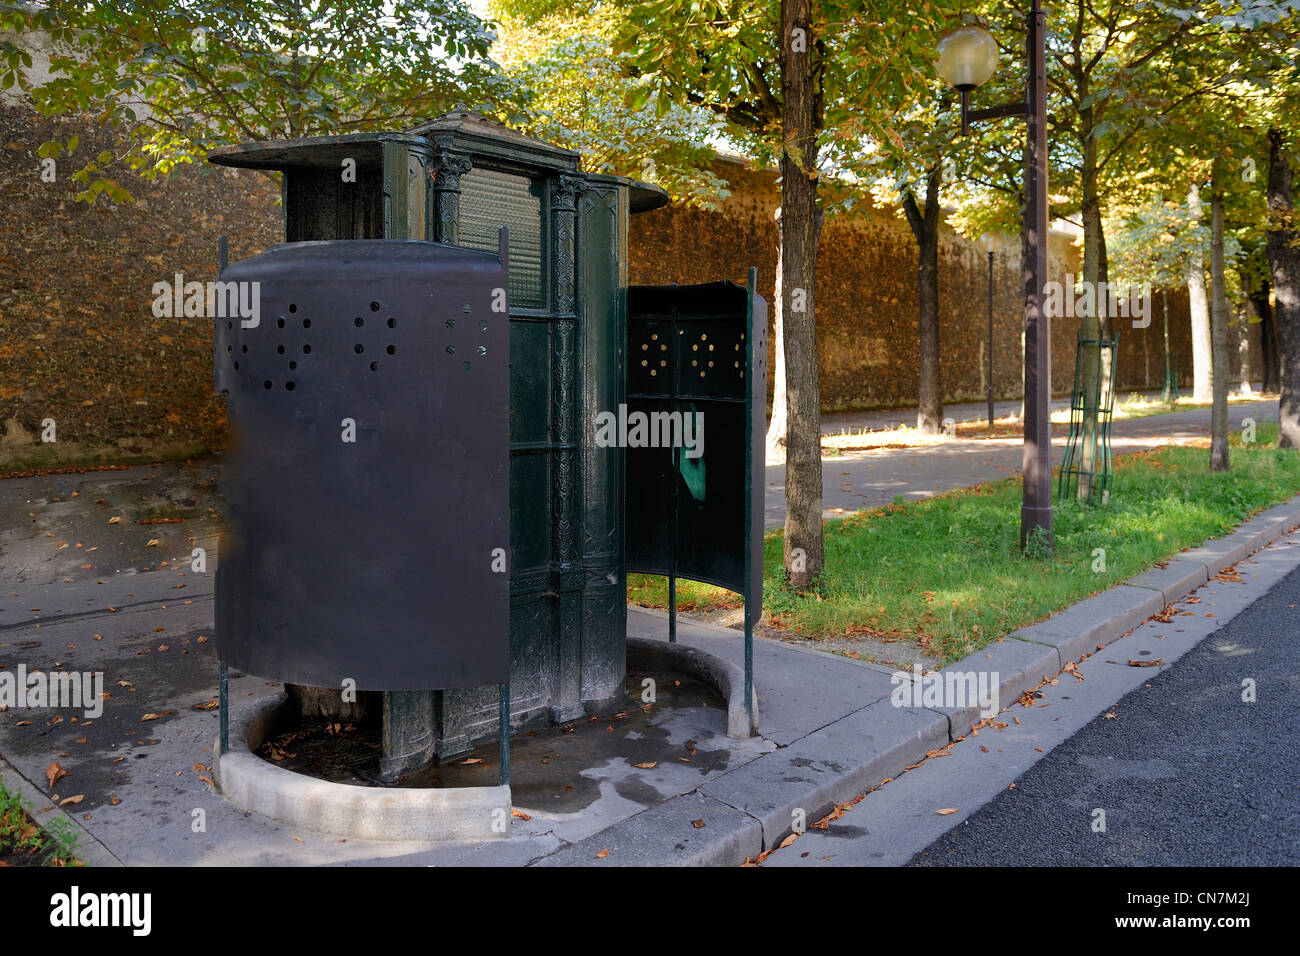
556,769
176,504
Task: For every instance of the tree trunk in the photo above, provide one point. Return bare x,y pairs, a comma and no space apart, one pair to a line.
1202,385
925,228
776,428
1268,351
1284,265
1218,327
1022,373
800,226
1243,349
1095,380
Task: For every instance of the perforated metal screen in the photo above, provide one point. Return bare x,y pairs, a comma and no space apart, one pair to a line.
688,348
367,486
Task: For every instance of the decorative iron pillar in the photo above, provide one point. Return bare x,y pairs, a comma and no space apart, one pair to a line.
564,211
602,324
444,195
566,565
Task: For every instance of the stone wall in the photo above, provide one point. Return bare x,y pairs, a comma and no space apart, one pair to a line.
867,299
80,343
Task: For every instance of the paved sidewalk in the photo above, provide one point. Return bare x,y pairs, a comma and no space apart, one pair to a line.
879,476
834,422
828,729
828,732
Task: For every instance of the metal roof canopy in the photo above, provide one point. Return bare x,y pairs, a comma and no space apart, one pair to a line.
482,136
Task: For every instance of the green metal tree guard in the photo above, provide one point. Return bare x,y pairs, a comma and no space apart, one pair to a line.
1090,400
1169,391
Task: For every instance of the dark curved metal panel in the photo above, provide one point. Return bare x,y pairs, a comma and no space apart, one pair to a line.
368,559
689,348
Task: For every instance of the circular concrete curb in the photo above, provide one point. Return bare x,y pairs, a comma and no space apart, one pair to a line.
649,654
455,814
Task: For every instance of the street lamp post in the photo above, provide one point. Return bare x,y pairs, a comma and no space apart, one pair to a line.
967,59
987,240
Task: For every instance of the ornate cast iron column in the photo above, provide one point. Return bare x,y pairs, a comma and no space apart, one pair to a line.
566,566
444,196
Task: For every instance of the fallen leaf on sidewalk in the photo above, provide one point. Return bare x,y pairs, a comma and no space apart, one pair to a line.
698,824
72,800
471,760
1155,663
55,772
206,705
515,812
947,811
115,520
787,841
153,542
1109,715
601,854
646,766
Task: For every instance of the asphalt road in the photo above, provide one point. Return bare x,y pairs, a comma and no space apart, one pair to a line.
1191,776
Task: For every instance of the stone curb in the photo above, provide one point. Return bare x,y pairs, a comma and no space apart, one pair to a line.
693,662
1094,622
1091,624
1019,665
667,835
828,766
88,850
454,815
750,808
